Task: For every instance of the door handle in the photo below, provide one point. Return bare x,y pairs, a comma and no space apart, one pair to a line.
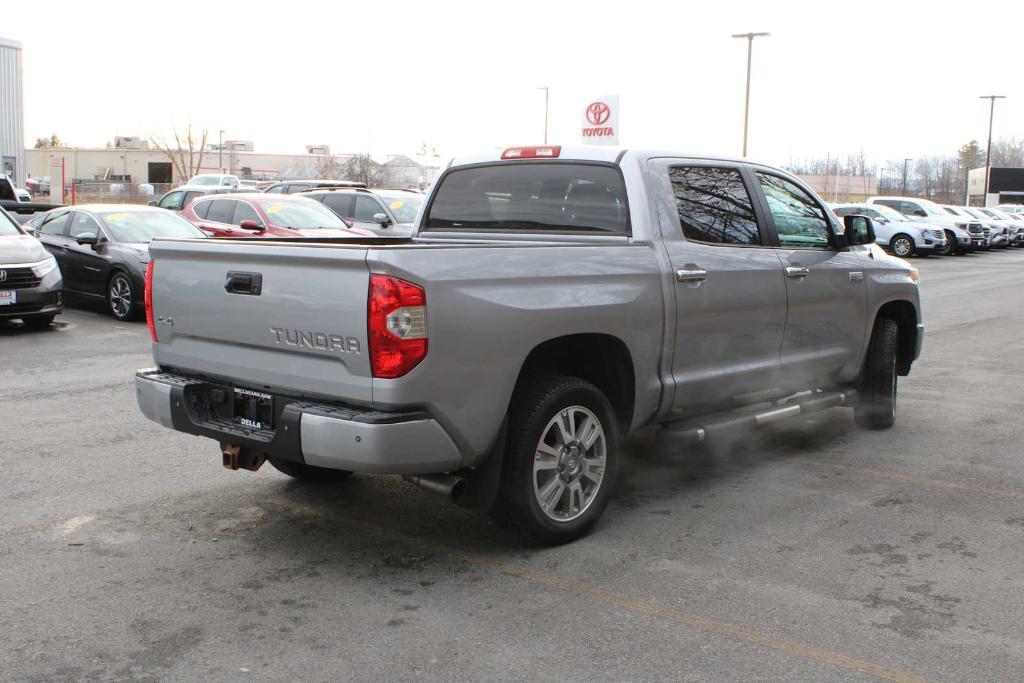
244,283
691,275
797,271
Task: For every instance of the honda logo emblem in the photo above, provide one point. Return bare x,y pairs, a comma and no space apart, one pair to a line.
598,113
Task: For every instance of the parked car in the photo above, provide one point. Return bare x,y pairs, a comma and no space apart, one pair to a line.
180,197
250,185
31,286
214,180
902,236
1013,222
999,233
384,212
925,211
990,233
103,249
294,186
541,313
261,215
1011,208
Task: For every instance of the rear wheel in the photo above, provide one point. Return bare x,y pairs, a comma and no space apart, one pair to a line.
304,472
877,405
121,297
902,245
38,322
561,460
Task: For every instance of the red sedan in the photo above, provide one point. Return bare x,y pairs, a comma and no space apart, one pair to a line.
259,215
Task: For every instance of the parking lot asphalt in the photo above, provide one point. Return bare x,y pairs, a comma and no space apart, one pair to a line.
810,551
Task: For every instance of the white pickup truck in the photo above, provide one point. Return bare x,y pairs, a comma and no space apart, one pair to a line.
551,301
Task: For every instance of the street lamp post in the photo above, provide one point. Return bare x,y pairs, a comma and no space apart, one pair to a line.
546,90
220,150
988,148
903,184
746,104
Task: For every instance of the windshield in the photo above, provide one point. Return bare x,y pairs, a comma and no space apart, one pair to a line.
933,209
975,213
303,215
404,206
205,180
993,214
7,225
143,226
890,213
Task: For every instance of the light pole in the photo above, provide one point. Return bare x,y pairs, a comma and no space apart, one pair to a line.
746,104
903,184
988,148
546,90
220,150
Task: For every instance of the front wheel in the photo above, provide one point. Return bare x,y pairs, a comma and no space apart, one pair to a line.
950,249
121,297
902,245
310,473
561,460
877,405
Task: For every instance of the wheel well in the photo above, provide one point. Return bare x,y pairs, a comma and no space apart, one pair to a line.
598,358
905,316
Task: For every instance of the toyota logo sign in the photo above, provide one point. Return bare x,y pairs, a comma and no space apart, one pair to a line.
598,113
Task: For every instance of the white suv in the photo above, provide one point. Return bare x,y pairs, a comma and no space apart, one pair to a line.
926,211
897,233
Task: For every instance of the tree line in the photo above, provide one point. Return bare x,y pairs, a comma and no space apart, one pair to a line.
941,178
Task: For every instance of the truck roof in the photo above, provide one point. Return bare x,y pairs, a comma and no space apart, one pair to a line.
609,154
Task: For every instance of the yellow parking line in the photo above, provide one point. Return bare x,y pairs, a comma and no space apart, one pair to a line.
566,585
898,476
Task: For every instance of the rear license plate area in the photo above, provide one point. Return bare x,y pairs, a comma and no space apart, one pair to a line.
253,409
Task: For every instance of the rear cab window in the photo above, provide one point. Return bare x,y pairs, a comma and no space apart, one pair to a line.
713,205
549,197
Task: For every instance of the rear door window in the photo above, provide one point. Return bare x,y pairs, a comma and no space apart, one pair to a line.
341,204
200,209
56,224
221,210
297,187
531,197
713,205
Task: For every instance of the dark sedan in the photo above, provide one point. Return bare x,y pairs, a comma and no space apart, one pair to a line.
103,249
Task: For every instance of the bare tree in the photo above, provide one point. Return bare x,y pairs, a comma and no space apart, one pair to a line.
329,168
361,168
187,153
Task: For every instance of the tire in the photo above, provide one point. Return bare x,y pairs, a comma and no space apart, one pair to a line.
310,473
950,249
877,405
902,245
575,480
38,322
121,297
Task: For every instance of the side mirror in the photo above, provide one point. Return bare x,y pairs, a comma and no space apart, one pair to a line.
382,218
152,202
249,224
89,238
920,212
859,230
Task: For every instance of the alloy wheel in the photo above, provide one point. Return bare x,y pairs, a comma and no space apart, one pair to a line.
569,464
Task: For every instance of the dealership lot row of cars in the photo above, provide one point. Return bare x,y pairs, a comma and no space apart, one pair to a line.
100,252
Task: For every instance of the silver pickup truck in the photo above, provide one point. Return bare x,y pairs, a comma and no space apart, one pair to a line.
552,301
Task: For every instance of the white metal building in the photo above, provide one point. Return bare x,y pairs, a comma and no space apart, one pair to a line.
12,112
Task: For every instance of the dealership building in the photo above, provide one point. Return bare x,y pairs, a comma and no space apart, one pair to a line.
12,112
1005,186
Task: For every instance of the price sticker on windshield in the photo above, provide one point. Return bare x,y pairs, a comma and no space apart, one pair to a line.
115,217
397,204
274,208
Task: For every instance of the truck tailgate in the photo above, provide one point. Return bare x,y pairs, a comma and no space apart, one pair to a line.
300,328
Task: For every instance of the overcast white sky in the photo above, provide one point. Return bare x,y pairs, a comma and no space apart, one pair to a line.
898,79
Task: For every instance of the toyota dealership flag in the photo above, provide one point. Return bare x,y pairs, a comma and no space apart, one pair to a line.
601,121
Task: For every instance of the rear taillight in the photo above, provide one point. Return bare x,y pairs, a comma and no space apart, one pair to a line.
149,302
397,324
